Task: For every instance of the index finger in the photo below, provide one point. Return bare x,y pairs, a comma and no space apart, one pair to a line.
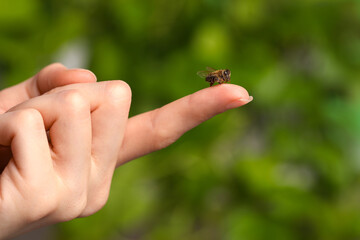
154,130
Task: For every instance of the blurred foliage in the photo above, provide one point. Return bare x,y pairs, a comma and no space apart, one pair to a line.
286,166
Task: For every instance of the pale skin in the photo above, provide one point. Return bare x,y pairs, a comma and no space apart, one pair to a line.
67,134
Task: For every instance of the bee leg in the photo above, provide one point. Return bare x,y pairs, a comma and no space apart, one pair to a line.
217,80
211,80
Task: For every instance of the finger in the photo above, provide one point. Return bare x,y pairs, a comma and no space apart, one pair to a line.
52,76
108,127
110,120
109,106
66,116
64,183
110,103
57,75
24,177
159,128
23,131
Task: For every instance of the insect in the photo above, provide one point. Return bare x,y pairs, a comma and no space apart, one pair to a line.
212,76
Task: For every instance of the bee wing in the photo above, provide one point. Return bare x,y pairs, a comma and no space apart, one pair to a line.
203,74
210,69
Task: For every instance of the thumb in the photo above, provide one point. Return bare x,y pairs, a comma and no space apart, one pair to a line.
57,75
50,77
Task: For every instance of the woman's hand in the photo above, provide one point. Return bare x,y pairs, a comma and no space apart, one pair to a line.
66,143
50,77
64,148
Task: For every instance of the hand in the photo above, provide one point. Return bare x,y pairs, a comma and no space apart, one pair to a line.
157,129
52,76
59,184
64,150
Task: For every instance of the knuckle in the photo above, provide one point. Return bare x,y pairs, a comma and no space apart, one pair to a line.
99,203
27,118
161,135
72,97
73,102
72,212
94,207
163,139
117,91
78,199
72,207
95,204
101,198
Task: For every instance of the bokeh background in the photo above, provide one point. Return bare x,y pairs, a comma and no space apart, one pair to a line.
286,166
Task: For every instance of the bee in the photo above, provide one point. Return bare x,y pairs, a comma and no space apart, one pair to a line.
212,76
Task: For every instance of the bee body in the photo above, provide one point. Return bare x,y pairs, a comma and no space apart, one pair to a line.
215,76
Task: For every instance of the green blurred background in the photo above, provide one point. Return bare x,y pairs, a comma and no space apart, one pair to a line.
286,166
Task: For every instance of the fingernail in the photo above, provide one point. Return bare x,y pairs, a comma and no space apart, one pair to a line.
246,100
93,74
86,71
239,102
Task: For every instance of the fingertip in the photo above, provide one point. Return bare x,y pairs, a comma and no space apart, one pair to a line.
57,75
43,80
228,96
69,76
234,92
238,96
239,102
